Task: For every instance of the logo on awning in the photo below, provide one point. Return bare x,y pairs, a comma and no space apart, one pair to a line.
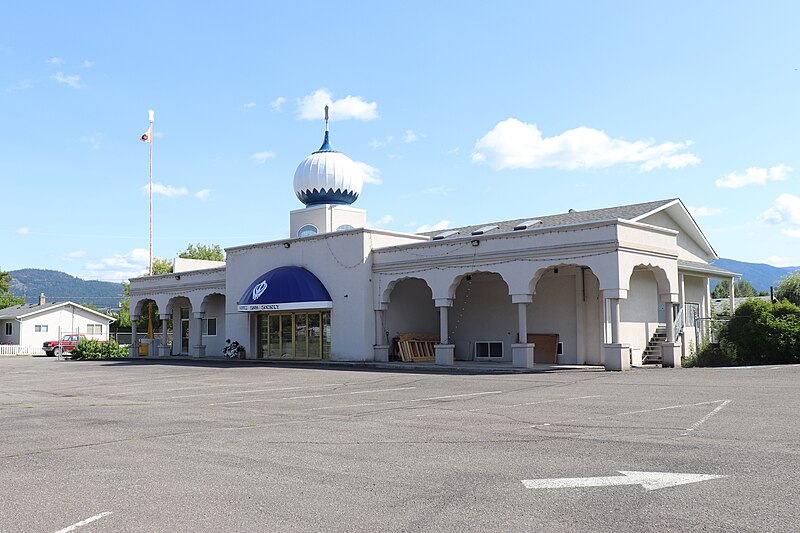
259,289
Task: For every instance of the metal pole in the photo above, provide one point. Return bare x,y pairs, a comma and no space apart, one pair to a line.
150,269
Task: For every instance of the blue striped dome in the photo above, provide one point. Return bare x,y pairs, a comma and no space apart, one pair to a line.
327,177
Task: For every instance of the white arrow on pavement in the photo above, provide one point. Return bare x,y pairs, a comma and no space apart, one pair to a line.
648,480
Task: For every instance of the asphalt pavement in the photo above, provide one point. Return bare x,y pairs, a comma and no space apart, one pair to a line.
189,446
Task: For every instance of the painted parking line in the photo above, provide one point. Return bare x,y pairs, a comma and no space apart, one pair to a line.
194,387
252,391
395,402
316,396
640,411
82,523
533,403
705,418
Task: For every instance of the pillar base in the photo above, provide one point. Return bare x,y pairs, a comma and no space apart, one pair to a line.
671,355
617,356
163,351
522,355
636,357
133,351
380,353
198,351
445,354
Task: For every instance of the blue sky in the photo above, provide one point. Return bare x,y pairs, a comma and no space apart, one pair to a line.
460,112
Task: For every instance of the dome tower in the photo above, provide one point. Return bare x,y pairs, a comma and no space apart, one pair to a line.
327,182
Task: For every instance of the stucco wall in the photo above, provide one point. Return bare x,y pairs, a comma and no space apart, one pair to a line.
554,310
411,309
688,249
482,311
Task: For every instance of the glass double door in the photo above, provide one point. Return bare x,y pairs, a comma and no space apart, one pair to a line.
299,335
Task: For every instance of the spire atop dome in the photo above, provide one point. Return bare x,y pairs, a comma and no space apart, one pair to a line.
326,145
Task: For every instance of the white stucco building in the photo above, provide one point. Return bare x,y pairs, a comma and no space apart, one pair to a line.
606,287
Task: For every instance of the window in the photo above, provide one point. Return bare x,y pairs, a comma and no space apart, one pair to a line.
489,349
40,328
9,329
344,227
209,327
307,231
297,335
94,329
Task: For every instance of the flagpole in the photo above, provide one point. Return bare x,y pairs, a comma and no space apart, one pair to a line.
151,114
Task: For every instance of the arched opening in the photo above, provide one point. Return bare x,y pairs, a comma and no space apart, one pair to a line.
565,316
181,312
411,310
482,322
642,320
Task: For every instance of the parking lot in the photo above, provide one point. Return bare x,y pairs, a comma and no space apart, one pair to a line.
184,446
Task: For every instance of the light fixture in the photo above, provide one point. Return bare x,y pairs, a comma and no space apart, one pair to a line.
475,242
555,270
287,244
178,277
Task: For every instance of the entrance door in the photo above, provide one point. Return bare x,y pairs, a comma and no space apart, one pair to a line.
184,330
301,335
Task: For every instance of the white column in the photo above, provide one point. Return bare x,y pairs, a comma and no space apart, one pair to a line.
522,351
134,343
445,353
164,348
668,314
733,297
617,355
615,321
196,332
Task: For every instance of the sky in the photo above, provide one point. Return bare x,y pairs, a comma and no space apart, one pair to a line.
458,113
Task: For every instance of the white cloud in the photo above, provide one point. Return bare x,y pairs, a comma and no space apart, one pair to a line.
262,157
375,143
442,224
202,194
312,107
165,190
91,140
385,220
440,190
277,104
792,233
72,256
785,208
120,267
71,81
55,61
410,137
453,151
23,231
515,144
704,211
19,86
249,105
754,175
87,63
369,173
776,261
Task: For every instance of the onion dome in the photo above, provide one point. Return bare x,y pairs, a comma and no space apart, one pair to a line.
327,176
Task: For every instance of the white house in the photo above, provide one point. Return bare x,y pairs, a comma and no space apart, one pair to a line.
31,325
613,287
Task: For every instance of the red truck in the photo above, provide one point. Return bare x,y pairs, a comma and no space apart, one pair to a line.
67,343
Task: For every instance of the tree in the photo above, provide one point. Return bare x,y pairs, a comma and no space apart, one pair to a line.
6,298
201,251
789,288
161,266
742,289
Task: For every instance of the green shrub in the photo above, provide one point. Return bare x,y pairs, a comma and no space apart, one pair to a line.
762,333
712,354
93,349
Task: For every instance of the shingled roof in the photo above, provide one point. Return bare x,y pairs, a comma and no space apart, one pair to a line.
624,212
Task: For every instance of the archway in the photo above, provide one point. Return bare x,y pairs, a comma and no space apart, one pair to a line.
411,310
482,322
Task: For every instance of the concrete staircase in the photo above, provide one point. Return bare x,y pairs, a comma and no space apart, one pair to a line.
652,352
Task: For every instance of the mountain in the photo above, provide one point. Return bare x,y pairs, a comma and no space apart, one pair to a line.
760,276
59,287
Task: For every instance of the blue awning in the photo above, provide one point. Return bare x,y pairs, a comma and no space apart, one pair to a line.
285,289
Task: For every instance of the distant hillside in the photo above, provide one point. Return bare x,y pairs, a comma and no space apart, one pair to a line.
59,287
759,275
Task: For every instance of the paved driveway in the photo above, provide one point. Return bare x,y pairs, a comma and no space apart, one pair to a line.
181,446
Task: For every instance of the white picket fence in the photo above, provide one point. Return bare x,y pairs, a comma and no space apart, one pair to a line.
11,350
